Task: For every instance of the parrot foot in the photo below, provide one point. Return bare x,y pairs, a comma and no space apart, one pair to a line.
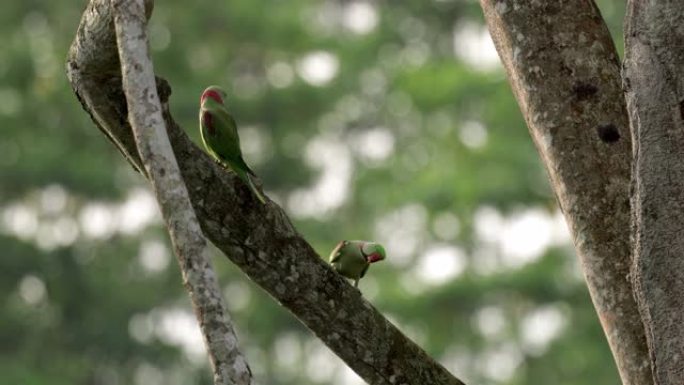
220,164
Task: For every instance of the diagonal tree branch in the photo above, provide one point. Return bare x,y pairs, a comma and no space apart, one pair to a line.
149,131
259,239
565,73
654,85
95,74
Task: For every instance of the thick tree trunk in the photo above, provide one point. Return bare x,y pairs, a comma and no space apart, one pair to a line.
258,238
654,65
565,73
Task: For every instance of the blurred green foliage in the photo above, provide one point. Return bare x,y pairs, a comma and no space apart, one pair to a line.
387,120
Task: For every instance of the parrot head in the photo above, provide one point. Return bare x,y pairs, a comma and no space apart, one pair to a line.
373,252
213,92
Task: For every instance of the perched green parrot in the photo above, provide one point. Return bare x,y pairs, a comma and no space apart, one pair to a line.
352,258
220,135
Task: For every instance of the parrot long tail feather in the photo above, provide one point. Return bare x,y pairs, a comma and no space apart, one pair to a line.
254,189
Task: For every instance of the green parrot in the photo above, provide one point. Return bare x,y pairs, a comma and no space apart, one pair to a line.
220,136
352,258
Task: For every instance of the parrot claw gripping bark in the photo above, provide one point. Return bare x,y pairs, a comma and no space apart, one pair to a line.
352,258
220,136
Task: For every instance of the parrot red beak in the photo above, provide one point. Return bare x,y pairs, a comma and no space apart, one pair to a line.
374,257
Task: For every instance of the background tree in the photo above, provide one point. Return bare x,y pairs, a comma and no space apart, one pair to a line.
431,158
570,88
568,85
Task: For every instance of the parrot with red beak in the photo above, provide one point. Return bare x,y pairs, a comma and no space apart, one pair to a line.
220,136
352,258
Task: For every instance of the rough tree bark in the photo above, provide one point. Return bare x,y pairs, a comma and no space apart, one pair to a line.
228,363
654,85
259,239
565,73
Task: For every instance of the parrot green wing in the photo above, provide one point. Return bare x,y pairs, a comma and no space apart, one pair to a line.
220,135
337,252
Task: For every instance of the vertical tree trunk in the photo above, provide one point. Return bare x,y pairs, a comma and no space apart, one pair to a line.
565,74
654,62
145,115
